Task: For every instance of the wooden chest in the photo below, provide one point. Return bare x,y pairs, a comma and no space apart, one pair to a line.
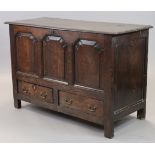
90,70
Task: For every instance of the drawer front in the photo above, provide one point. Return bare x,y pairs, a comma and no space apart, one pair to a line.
35,91
80,106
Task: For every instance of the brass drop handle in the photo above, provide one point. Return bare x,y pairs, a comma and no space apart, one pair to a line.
68,101
92,108
43,95
34,87
25,90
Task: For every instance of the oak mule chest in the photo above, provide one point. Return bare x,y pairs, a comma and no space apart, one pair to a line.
95,71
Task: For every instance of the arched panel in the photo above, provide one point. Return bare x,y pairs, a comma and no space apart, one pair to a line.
54,57
87,63
25,50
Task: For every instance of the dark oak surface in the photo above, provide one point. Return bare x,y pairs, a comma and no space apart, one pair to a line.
78,25
96,77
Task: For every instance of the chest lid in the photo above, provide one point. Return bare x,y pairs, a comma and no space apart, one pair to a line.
78,25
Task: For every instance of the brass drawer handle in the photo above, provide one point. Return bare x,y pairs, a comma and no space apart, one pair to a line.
25,90
34,87
92,108
43,95
68,101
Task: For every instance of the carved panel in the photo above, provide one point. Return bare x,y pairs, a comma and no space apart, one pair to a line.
54,57
25,50
87,63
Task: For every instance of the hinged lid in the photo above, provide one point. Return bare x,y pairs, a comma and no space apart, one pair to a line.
77,25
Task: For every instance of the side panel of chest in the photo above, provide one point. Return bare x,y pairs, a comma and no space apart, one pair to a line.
131,62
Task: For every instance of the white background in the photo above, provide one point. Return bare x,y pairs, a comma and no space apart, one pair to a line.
33,124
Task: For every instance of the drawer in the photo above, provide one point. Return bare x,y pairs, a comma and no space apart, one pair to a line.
80,105
35,91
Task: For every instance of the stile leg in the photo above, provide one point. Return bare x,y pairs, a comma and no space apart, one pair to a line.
109,129
17,103
141,113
